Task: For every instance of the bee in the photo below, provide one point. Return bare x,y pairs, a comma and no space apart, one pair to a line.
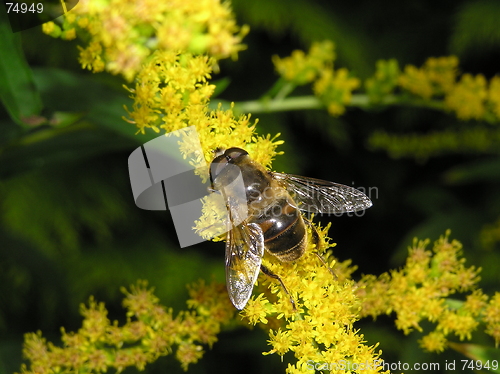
268,217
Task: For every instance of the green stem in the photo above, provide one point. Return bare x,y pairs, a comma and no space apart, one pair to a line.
281,103
285,90
291,103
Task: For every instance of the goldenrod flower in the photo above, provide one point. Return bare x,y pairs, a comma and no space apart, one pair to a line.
257,309
151,331
334,88
490,235
436,77
434,342
494,95
384,81
419,291
189,353
301,68
320,329
467,98
280,341
128,32
492,318
462,324
416,81
172,92
50,28
442,72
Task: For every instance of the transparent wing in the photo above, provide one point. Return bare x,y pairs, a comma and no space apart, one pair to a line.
244,251
320,196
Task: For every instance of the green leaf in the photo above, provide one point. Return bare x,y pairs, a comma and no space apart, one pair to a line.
100,103
18,92
476,27
477,171
67,204
49,146
220,85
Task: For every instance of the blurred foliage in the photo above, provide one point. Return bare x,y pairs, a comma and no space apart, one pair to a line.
475,28
69,228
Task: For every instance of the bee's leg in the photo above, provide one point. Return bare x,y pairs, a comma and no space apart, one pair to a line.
316,240
326,265
269,273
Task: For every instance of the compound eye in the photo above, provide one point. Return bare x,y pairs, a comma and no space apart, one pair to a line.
233,153
216,167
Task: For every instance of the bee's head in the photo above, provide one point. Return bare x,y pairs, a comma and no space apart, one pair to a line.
225,157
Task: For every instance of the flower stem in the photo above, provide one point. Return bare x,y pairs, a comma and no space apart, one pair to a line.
312,102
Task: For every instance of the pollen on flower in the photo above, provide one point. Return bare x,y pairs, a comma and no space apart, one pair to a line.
475,302
436,77
462,324
90,57
467,97
494,95
442,71
95,320
434,342
151,331
50,28
257,310
384,80
281,342
334,88
492,318
69,34
416,81
129,32
420,291
301,68
321,326
189,353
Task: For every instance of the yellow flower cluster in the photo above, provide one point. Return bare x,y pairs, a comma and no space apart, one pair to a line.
494,95
333,87
421,290
301,68
490,235
474,139
471,97
320,332
121,34
467,97
492,318
172,93
313,320
151,331
384,81
436,77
